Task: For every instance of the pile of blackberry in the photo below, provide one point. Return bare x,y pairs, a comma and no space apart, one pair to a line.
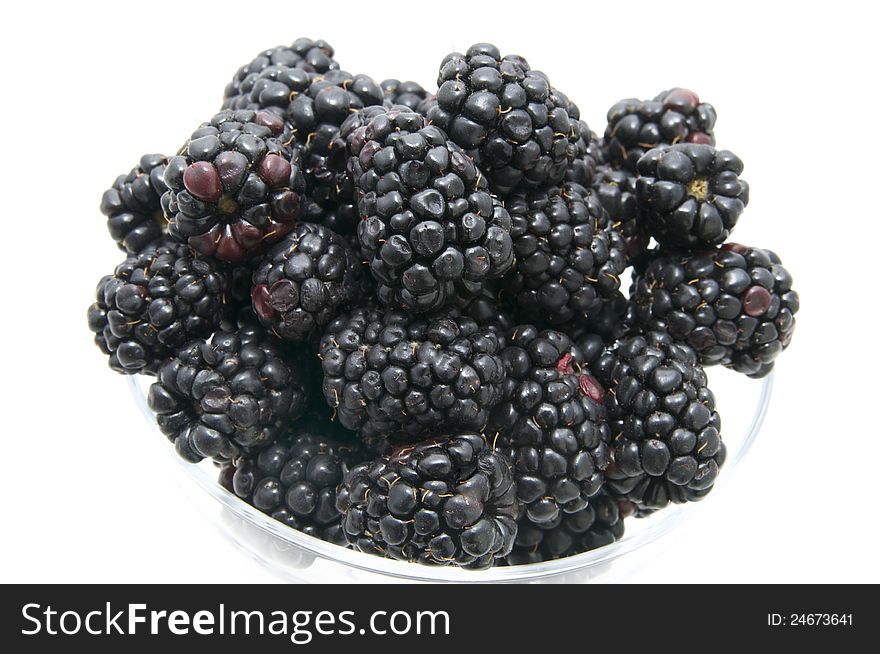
393,317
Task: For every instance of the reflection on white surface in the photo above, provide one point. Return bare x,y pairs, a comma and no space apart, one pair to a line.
293,556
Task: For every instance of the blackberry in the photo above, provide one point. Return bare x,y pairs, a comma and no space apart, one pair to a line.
391,376
567,257
305,54
224,398
518,128
690,195
735,305
674,116
302,282
551,424
444,501
406,94
132,206
316,106
154,302
616,190
294,481
665,429
598,525
232,188
431,231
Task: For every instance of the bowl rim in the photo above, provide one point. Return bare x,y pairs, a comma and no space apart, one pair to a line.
658,527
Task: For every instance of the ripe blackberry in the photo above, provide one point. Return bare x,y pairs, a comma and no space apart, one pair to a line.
444,501
567,257
154,302
551,424
431,231
310,56
517,127
690,195
674,116
665,430
302,282
132,206
391,376
224,398
294,480
407,94
598,525
232,188
616,190
735,305
316,106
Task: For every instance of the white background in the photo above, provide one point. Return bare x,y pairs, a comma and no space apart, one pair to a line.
88,88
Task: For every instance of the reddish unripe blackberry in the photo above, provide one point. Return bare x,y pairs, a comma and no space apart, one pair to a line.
232,189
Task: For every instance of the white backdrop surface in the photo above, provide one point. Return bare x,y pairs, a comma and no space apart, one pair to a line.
88,88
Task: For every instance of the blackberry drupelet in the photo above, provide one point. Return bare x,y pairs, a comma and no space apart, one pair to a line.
598,525
426,105
567,256
224,398
674,116
665,430
551,424
294,480
520,130
393,377
132,205
614,320
301,284
444,501
232,188
587,155
488,311
735,305
406,94
431,231
690,196
616,190
310,56
154,302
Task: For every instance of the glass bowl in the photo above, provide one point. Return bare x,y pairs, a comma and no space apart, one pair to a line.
294,556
